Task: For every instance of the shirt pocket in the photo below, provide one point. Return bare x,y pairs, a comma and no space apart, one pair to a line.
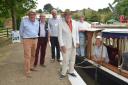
26,25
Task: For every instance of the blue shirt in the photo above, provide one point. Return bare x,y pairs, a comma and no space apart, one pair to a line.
29,29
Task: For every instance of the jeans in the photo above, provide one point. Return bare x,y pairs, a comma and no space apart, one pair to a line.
81,50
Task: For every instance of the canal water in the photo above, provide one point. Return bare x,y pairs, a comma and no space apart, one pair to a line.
95,76
86,77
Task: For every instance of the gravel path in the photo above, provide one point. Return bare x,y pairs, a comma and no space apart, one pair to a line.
12,69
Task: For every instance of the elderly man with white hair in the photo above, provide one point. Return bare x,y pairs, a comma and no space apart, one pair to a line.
100,53
42,41
69,41
53,24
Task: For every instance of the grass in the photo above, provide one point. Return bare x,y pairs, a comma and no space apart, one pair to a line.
0,30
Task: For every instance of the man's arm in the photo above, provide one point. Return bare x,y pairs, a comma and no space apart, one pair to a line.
21,29
77,36
61,43
49,28
105,55
93,57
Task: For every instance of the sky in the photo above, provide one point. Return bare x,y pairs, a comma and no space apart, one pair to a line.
75,4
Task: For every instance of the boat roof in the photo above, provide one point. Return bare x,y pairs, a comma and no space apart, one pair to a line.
115,33
93,29
111,26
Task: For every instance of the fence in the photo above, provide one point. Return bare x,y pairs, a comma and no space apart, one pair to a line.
5,33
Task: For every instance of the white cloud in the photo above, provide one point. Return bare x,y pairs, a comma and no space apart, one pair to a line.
75,4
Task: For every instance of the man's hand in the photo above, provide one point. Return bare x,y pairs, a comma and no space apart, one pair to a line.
63,49
77,45
48,39
21,41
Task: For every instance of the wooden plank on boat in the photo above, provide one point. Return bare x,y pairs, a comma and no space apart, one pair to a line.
110,72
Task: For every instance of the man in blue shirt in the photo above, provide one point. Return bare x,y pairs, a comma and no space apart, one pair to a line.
29,29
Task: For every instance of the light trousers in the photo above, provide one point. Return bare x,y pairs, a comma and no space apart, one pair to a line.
29,53
81,50
68,61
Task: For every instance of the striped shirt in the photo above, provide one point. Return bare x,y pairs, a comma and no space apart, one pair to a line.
53,26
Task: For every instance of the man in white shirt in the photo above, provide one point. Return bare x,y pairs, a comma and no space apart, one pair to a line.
53,24
100,53
42,41
69,41
82,26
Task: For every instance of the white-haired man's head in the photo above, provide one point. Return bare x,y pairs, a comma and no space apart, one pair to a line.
42,17
54,13
99,37
32,15
98,40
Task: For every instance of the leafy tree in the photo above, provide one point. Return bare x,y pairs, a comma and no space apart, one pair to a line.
116,1
15,9
122,7
48,8
105,17
76,16
104,10
59,10
105,14
39,11
92,15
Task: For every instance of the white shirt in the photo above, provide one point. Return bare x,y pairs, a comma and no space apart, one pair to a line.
53,26
100,52
83,25
42,30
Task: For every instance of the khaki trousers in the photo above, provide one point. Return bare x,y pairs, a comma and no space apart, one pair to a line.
68,61
29,53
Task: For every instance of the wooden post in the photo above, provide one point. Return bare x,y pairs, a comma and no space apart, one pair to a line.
7,32
89,44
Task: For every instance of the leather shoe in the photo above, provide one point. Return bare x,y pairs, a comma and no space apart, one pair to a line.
72,74
33,69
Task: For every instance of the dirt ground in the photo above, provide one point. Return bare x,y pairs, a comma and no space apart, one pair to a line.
12,69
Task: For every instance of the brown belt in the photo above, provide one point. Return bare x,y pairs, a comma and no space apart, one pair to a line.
31,38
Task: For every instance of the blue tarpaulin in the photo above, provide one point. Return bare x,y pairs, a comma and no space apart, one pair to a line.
115,33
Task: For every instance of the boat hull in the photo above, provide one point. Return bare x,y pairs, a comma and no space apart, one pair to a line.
97,74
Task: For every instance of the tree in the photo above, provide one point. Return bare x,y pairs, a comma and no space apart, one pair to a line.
48,8
76,16
122,7
92,15
15,9
116,1
58,10
105,14
39,11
